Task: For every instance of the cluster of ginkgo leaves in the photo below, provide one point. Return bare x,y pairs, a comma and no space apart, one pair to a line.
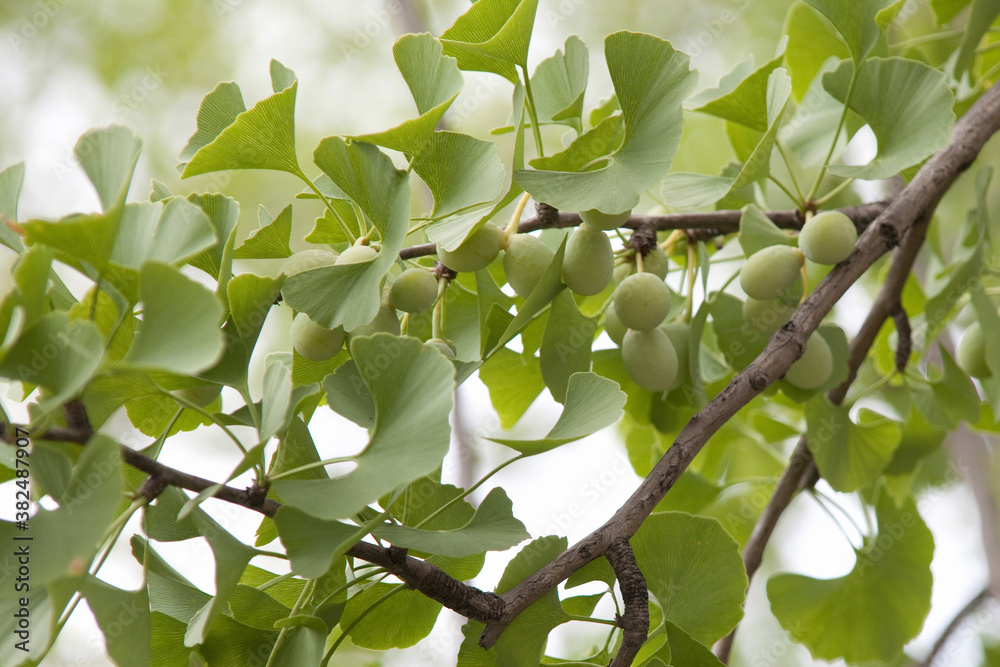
385,327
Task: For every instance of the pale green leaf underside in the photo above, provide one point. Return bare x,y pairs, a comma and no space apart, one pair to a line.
757,231
559,82
492,528
108,155
412,389
592,403
848,455
855,21
368,177
908,106
651,80
461,171
180,328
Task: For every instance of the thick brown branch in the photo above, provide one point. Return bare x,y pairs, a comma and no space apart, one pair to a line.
635,621
915,203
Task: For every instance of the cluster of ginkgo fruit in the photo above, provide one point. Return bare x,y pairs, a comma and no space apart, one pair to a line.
654,350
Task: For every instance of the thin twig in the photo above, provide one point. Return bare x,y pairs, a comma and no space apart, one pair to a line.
954,625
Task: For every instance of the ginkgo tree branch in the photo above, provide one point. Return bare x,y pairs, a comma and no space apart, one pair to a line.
725,222
801,473
914,203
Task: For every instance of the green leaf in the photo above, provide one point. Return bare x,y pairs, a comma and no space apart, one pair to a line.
462,172
743,100
412,387
280,400
492,36
989,319
950,400
11,180
849,455
56,353
218,110
593,402
695,570
380,629
694,190
261,138
559,83
946,10
908,106
172,232
109,155
566,345
270,239
434,81
369,178
231,558
589,147
180,330
492,528
855,22
651,80
874,610
312,544
758,232
223,214
124,618
982,16
514,382
86,508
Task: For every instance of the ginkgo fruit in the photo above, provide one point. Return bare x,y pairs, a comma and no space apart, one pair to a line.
655,261
828,237
525,260
307,259
770,271
613,326
679,334
971,352
767,315
314,341
476,252
385,320
642,301
814,367
650,359
357,254
607,221
414,291
589,261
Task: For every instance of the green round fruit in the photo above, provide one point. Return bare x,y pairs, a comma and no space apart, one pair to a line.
642,301
770,271
613,326
308,259
385,320
767,315
414,291
357,254
313,341
828,237
589,261
650,359
623,270
971,353
606,221
476,252
655,262
201,395
814,367
679,334
524,262
443,346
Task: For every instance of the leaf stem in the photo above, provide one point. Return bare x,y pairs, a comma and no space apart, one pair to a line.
354,623
533,113
833,193
343,225
836,136
791,172
307,591
469,490
515,217
784,188
310,466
